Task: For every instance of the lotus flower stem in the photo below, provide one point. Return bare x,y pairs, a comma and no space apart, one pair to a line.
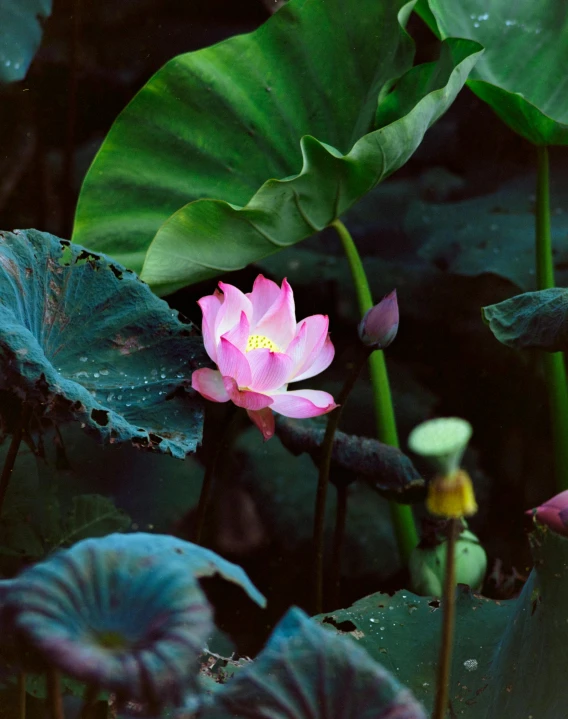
89,698
54,697
554,367
448,623
12,453
402,517
220,444
323,476
22,695
338,539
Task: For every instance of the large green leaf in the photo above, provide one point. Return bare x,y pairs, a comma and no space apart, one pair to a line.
81,338
533,320
307,673
522,74
180,170
20,35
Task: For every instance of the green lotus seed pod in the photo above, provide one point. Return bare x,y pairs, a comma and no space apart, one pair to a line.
442,441
427,566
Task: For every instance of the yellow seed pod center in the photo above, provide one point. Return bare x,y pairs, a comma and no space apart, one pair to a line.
259,342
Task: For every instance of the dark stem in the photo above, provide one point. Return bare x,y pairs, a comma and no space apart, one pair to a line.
69,158
89,698
220,444
54,698
338,539
10,460
323,477
22,695
448,623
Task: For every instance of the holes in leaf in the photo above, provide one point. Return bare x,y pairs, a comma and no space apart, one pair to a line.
435,604
100,416
115,271
344,626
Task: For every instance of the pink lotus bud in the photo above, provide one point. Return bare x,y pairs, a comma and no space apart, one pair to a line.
379,326
553,513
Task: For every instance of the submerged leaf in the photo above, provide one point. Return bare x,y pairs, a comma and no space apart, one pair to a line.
265,151
20,35
92,515
81,338
533,320
385,468
307,673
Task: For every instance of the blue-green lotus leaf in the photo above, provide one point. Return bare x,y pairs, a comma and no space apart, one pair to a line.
82,338
533,320
127,618
20,35
233,152
199,561
306,672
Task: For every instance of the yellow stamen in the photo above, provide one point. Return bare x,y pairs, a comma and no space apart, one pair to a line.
452,495
257,342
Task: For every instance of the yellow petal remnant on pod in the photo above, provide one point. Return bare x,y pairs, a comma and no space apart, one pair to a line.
452,495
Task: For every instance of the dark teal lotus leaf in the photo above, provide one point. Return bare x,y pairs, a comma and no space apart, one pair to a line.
20,35
233,152
533,320
522,74
509,656
81,338
196,560
116,613
306,672
403,633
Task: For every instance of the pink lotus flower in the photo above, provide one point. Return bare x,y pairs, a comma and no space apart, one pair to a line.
259,349
553,513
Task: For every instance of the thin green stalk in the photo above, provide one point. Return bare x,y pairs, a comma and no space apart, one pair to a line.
554,367
401,514
323,476
448,624
54,697
22,695
12,453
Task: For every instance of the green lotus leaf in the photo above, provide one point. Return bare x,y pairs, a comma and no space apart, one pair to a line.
403,633
20,35
230,153
533,320
307,673
81,338
522,74
509,656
